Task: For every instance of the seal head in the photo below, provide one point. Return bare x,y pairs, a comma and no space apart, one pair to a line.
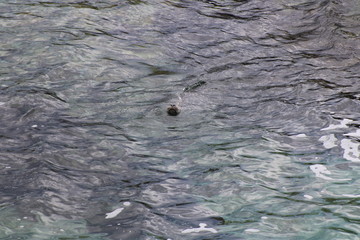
173,110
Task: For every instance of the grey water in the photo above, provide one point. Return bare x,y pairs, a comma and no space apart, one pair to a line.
266,145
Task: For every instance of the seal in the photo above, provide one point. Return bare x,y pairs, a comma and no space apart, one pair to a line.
173,110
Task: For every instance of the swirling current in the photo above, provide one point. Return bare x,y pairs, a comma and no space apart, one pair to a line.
266,145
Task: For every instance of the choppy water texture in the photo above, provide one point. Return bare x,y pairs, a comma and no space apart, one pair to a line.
266,145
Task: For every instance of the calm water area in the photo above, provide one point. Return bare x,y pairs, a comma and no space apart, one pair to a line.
267,144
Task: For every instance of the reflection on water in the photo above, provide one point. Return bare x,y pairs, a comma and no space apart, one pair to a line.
266,145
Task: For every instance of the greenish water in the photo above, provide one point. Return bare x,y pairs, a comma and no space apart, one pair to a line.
266,145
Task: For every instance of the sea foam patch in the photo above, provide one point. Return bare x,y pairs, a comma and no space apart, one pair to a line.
343,124
320,170
350,145
351,150
329,141
116,211
308,197
353,134
351,195
202,228
301,135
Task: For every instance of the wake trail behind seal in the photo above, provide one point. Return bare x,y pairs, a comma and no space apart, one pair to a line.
174,109
189,88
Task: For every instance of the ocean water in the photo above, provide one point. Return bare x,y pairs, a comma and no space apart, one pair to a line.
266,145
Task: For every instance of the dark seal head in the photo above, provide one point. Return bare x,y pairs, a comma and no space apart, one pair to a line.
173,110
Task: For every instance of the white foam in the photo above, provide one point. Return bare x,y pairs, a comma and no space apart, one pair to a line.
301,135
351,150
329,141
114,213
351,195
354,134
264,217
202,228
34,126
252,230
343,124
320,170
117,211
308,197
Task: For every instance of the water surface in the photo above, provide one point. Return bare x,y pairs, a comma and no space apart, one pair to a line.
266,145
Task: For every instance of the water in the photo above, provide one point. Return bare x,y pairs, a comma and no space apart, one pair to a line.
266,145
